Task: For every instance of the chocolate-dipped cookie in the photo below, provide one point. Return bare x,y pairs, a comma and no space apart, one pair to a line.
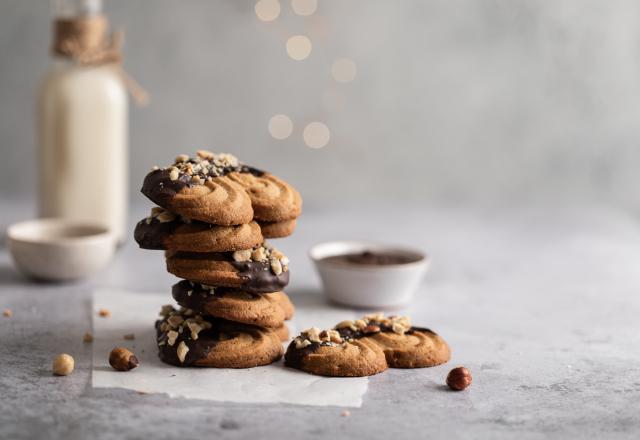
164,230
264,310
218,189
262,269
189,339
361,347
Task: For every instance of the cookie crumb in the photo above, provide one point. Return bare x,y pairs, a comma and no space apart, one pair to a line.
88,338
104,313
345,413
7,313
129,337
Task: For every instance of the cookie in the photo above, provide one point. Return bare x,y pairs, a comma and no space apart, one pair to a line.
272,199
396,342
282,332
278,229
189,339
404,346
259,270
218,189
342,358
167,231
264,310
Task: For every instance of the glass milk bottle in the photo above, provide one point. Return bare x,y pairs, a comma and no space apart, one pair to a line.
82,122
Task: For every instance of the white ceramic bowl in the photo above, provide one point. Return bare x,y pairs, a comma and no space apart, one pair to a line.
369,286
59,250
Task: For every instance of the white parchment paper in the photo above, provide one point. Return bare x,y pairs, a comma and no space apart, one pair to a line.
136,313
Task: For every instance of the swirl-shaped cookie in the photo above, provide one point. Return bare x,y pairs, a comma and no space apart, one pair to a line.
167,231
393,340
189,339
273,199
277,229
264,310
259,270
218,189
354,358
217,200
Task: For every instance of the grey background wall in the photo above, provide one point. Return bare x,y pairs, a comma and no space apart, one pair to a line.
465,100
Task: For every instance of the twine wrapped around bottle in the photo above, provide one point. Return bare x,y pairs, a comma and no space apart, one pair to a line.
85,40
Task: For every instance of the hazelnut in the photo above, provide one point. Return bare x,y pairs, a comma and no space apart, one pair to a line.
242,255
122,359
345,413
104,313
7,313
88,337
205,154
182,158
174,174
276,266
63,365
259,254
369,329
182,351
459,378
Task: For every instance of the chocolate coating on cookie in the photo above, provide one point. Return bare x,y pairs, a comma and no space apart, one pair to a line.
221,269
166,231
355,347
189,339
264,310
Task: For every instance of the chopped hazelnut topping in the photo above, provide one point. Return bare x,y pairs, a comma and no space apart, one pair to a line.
166,310
172,335
173,174
175,320
276,266
182,351
182,158
242,255
259,254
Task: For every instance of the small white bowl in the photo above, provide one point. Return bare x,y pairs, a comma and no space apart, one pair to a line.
59,250
369,286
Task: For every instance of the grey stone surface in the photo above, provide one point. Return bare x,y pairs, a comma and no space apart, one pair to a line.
541,305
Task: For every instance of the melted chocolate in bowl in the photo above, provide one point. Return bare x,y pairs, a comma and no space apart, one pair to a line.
370,258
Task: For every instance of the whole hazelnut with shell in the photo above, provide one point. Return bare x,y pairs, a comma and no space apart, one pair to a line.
122,359
459,378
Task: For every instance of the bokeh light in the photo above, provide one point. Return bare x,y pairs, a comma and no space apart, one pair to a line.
344,70
316,135
267,10
304,7
280,126
298,47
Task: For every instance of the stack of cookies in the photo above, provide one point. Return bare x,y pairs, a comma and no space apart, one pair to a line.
213,216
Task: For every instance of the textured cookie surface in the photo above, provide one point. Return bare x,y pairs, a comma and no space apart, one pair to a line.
392,341
264,310
189,339
272,199
167,231
259,270
278,229
218,189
